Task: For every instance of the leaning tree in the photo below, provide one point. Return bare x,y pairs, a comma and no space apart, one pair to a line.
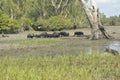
92,13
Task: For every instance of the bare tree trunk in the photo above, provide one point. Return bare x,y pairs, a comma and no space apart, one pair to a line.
11,15
97,29
59,5
56,6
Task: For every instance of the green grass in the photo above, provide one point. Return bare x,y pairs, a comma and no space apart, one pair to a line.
61,67
33,41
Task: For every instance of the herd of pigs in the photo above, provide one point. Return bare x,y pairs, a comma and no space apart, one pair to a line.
54,35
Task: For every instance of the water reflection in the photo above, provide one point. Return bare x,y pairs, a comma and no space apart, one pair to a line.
100,46
115,45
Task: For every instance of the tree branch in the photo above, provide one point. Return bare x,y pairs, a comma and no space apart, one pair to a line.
53,3
87,12
65,3
59,5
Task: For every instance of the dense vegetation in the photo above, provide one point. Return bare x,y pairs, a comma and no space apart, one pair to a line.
111,21
28,14
55,59
61,67
21,15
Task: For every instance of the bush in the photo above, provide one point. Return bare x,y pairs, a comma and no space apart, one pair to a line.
14,26
41,24
59,22
26,23
7,25
55,23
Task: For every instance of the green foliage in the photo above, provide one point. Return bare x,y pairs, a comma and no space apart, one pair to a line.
42,23
61,67
14,26
111,21
33,41
59,22
25,23
7,23
4,20
31,10
55,23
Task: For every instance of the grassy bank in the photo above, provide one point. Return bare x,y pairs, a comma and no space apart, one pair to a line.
61,67
32,41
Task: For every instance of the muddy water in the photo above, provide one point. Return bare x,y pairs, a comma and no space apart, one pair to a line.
88,46
100,46
69,46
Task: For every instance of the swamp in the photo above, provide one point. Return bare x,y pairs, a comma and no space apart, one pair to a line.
59,40
73,58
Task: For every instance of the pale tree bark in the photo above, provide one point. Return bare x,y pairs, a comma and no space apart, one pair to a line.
93,16
59,5
64,6
56,6
11,14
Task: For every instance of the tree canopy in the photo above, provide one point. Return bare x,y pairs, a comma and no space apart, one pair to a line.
15,14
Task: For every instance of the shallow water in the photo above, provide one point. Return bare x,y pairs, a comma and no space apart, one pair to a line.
101,45
88,46
67,46
115,45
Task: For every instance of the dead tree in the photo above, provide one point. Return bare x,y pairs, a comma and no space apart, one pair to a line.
93,16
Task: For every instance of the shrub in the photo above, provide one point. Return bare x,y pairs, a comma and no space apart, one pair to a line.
41,24
55,23
7,25
26,23
59,22
14,26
